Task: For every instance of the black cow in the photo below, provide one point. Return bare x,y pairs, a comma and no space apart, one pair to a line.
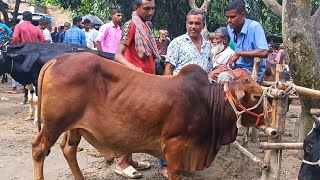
25,61
310,167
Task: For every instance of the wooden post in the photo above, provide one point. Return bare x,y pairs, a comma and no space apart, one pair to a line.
256,64
279,110
252,157
266,146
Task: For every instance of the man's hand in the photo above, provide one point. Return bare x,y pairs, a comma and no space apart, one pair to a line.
232,60
133,67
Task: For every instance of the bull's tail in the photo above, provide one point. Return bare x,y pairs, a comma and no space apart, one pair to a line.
40,80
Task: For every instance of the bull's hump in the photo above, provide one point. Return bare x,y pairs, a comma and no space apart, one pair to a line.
193,71
192,68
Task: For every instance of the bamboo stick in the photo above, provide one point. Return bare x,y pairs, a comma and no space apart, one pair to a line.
279,109
315,111
255,68
252,157
300,89
268,83
267,146
268,130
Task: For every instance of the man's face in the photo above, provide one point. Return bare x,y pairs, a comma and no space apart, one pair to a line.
270,48
235,19
218,44
116,18
217,39
87,26
162,34
194,25
146,10
66,26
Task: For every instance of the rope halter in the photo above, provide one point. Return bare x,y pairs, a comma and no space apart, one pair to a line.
235,103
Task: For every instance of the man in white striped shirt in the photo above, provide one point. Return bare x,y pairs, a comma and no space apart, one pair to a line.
221,52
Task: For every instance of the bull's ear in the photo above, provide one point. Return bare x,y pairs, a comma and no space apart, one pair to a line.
240,94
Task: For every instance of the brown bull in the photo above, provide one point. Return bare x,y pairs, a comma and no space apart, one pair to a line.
183,119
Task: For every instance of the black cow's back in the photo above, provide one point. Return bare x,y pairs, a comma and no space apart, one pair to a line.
28,58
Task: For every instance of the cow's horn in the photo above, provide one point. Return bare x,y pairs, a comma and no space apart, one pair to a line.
316,121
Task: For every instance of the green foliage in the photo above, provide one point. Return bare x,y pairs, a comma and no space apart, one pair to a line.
171,14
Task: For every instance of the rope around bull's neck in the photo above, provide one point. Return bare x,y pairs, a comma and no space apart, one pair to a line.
239,113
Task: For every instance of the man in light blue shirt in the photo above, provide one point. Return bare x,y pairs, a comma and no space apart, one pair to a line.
75,35
249,38
7,31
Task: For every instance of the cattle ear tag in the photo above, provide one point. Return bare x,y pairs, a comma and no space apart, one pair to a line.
240,95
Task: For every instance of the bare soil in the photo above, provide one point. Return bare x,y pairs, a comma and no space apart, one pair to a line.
16,161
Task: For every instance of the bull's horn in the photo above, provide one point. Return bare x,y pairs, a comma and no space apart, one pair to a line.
316,121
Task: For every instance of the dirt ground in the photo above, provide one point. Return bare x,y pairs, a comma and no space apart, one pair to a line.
16,162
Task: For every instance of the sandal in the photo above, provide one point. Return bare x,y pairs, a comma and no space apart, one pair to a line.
142,165
129,172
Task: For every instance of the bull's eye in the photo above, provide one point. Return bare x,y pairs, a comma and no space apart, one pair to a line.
256,97
247,80
309,148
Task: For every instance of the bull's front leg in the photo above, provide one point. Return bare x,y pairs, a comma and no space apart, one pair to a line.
174,156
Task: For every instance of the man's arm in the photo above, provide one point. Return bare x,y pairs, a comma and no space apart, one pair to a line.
16,35
168,70
260,46
119,57
261,53
101,35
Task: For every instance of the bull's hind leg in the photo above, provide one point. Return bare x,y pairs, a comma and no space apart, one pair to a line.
69,144
41,145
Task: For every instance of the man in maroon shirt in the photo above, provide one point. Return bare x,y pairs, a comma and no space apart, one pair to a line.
137,50
26,31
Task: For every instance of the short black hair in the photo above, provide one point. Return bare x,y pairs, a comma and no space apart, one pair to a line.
139,2
197,12
76,20
86,21
115,10
238,5
27,16
43,21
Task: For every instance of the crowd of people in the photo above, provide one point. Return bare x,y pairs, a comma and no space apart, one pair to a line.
135,46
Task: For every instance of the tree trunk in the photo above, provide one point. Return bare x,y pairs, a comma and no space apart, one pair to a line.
16,10
4,12
299,39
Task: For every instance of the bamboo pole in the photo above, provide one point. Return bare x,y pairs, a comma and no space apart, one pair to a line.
263,134
252,157
268,83
255,69
268,130
315,111
267,145
299,89
279,110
